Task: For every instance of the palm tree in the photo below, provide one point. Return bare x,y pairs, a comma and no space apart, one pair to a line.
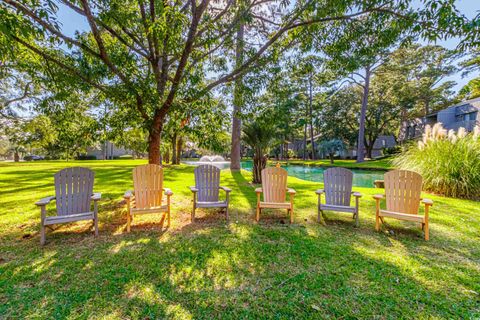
260,136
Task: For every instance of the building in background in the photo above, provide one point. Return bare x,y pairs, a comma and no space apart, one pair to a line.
464,114
107,151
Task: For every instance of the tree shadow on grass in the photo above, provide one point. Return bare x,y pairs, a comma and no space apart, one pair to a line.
239,270
234,271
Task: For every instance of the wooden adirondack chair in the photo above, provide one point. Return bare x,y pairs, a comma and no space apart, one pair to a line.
206,190
147,194
338,190
402,192
274,189
73,197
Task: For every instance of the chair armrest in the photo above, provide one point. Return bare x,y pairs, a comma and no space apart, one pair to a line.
128,194
291,191
427,202
320,191
44,201
193,189
258,190
227,190
378,196
357,194
96,196
168,192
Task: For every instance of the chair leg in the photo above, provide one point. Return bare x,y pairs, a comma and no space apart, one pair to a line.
291,207
258,213
227,200
356,220
43,215
192,218
426,231
321,217
129,220
95,217
377,215
168,211
42,235
427,234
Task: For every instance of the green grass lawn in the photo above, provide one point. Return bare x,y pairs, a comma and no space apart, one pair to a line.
241,269
380,164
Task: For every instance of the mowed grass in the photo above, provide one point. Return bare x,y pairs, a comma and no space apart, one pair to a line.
241,269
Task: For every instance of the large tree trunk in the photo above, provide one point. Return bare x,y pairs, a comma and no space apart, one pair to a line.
281,151
174,148
16,157
154,146
166,156
369,147
363,114
305,142
235,155
310,114
331,156
369,151
259,163
179,148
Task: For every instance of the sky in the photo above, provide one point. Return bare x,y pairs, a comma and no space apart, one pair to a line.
71,22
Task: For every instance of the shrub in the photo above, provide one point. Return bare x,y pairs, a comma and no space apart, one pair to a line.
123,157
290,154
86,157
331,147
392,150
449,162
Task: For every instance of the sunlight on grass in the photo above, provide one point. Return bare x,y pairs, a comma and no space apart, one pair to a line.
236,269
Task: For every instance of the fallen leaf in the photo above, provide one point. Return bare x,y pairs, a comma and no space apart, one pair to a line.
315,307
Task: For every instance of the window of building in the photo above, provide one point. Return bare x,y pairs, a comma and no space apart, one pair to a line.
471,116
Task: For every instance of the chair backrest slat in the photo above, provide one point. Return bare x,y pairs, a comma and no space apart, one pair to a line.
73,189
402,191
338,186
207,181
274,184
148,186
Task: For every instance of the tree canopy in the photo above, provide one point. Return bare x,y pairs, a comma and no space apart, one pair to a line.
150,58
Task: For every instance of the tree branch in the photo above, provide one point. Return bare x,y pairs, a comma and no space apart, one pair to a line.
112,31
23,96
108,62
288,26
197,13
50,28
48,57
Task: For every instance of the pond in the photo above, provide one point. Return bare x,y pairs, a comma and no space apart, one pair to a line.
361,178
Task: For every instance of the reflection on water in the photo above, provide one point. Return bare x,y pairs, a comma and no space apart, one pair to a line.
361,178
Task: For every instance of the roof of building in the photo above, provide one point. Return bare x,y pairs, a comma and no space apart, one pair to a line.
472,103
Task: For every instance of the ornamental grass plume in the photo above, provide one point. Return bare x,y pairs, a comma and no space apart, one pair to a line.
476,132
448,162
